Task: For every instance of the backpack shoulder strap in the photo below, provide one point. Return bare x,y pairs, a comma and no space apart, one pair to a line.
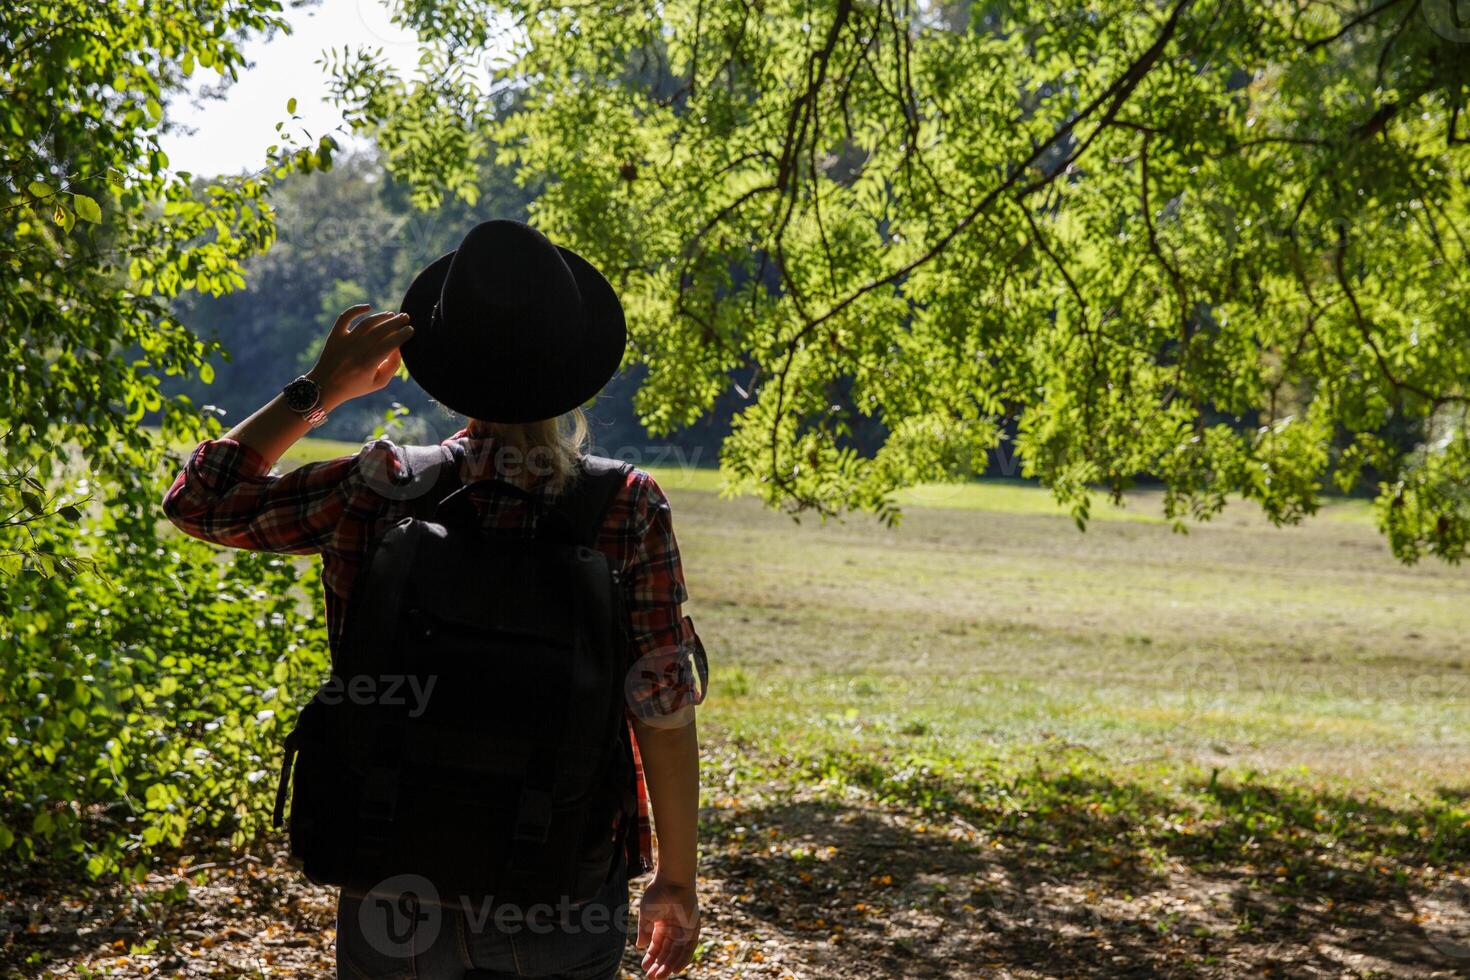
598,481
433,475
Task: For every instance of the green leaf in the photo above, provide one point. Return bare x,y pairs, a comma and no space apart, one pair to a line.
38,189
291,105
70,513
86,208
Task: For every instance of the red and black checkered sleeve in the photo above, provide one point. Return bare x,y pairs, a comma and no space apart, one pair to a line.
668,672
225,495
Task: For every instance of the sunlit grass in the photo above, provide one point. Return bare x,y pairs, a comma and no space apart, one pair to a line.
1237,645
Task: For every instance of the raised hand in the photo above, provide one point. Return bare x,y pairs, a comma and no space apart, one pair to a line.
359,358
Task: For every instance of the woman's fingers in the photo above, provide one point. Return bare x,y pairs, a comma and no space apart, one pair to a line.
668,929
670,950
370,326
681,951
653,964
675,948
348,315
396,334
386,368
386,335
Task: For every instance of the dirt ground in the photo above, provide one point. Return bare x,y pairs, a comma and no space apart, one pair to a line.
806,888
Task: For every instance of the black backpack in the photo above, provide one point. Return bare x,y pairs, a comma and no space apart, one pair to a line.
473,735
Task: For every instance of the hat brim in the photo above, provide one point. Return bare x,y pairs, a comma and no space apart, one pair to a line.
481,388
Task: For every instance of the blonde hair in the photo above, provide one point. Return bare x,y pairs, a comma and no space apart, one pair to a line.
550,447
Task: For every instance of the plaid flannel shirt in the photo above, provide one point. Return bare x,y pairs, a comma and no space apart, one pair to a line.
336,508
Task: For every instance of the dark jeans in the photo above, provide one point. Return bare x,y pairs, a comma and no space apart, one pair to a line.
383,938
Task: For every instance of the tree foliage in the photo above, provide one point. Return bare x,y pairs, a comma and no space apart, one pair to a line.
98,234
145,708
128,698
1216,243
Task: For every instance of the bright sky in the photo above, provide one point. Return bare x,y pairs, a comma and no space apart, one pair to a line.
232,134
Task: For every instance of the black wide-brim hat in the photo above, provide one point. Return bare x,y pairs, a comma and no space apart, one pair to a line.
512,328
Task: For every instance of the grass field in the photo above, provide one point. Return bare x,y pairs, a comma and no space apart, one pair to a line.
1127,749
987,621
987,738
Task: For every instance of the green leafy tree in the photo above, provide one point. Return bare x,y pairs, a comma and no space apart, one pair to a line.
1215,243
98,234
130,698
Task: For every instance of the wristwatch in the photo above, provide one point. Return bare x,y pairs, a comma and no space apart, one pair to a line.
304,397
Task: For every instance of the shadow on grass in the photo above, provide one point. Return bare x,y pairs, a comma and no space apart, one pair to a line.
1074,873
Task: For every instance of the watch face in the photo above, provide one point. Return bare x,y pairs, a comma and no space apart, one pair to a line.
301,394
